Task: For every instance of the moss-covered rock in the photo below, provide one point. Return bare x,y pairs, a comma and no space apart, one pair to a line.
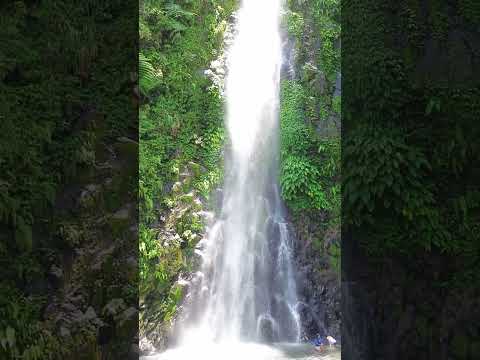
120,221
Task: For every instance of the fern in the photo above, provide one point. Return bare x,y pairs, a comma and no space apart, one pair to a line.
148,76
176,11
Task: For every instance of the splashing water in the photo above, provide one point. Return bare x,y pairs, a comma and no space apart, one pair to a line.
242,351
245,292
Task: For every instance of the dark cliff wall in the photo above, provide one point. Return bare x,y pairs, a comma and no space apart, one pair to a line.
68,180
410,159
310,144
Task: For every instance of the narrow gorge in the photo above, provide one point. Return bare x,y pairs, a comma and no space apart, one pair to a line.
256,247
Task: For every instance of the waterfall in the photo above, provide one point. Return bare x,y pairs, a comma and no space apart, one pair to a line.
246,288
244,292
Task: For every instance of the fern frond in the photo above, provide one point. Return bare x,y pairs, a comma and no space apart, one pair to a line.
149,77
176,11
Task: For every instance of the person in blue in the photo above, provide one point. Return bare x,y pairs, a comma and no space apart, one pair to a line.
319,342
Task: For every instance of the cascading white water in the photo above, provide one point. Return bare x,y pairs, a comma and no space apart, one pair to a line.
246,288
245,291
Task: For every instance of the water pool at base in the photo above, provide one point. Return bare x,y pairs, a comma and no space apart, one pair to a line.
247,351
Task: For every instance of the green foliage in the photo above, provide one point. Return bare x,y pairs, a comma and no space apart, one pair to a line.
388,172
324,22
299,175
409,141
160,261
170,306
337,105
310,139
329,55
296,136
42,145
309,164
148,76
335,257
181,136
329,151
62,93
300,184
387,178
21,335
470,9
294,23
330,8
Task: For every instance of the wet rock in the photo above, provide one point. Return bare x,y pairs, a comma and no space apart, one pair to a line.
90,314
309,71
131,269
145,346
177,187
120,220
197,169
126,323
122,214
127,147
64,332
56,272
69,307
266,331
89,196
318,282
114,307
102,258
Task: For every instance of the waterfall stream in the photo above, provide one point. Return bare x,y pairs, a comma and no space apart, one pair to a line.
245,292
246,288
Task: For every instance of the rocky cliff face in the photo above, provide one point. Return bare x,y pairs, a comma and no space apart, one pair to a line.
318,235
396,309
410,294
93,294
68,181
318,280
